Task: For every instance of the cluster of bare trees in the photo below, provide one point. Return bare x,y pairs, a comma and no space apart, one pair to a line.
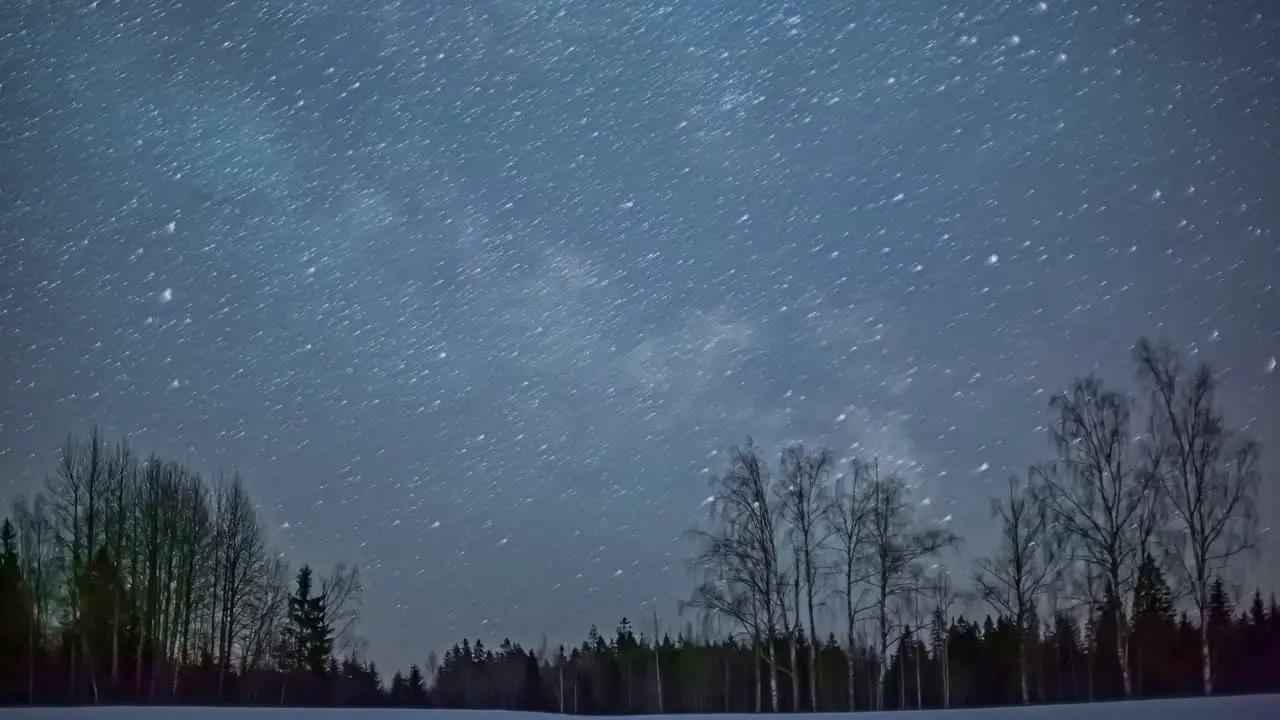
777,539
1178,491
134,571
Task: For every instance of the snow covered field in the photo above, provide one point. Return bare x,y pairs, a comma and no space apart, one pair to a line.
1235,708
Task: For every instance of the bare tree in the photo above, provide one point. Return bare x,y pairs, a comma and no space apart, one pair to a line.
917,609
738,561
894,546
804,505
121,477
1098,496
789,584
241,559
341,593
847,517
1208,475
136,564
1027,562
152,514
76,498
194,568
945,597
267,614
36,547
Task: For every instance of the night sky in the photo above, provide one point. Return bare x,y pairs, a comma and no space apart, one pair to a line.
475,293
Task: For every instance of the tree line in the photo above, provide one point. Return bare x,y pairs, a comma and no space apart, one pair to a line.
135,580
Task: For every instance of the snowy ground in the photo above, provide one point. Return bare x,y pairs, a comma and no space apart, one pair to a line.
1235,708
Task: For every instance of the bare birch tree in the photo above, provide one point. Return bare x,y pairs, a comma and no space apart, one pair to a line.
739,560
847,517
917,609
895,544
341,592
1099,497
1208,476
945,598
1027,562
804,501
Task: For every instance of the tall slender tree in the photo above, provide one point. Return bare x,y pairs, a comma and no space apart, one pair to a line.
1099,497
742,578
848,517
895,545
805,501
1027,563
1208,474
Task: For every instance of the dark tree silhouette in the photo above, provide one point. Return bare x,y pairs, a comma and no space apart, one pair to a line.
131,579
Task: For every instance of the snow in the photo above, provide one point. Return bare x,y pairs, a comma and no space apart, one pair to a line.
1238,707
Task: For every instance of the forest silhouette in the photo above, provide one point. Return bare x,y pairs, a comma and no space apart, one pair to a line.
132,579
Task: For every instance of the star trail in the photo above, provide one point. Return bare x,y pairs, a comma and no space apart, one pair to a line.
475,294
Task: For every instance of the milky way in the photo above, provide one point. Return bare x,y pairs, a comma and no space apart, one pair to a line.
474,294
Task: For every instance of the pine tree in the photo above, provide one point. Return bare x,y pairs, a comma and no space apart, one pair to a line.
1154,631
399,690
1257,613
1219,621
416,687
308,639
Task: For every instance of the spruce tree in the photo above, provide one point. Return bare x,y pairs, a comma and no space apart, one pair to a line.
416,687
308,637
1154,633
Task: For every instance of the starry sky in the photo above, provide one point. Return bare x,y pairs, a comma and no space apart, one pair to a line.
475,293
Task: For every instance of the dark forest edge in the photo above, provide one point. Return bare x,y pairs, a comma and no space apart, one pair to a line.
136,580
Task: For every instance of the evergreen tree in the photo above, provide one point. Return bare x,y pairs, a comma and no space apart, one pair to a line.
399,690
1219,619
1257,613
416,687
1154,633
307,636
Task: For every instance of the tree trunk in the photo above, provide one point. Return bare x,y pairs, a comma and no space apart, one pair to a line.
657,662
916,650
902,676
756,652
795,673
1022,667
850,640
813,676
88,659
882,659
1122,649
773,675
851,670
1206,665
946,673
